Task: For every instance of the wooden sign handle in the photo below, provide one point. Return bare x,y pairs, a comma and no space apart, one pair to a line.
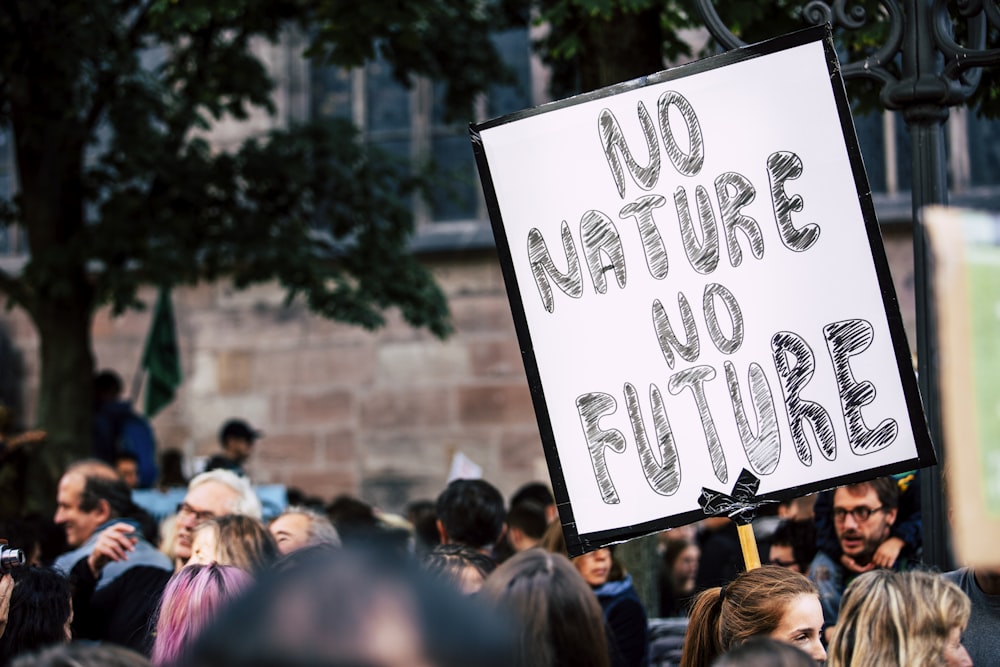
751,557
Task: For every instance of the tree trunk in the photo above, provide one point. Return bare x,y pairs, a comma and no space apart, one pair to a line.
49,142
65,401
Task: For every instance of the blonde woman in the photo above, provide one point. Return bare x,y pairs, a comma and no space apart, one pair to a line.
234,539
898,619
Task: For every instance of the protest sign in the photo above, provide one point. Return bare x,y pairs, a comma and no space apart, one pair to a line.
965,246
700,292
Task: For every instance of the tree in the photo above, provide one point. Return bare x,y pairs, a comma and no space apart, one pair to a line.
108,102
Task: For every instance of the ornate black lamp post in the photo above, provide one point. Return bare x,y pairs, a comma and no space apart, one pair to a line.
935,72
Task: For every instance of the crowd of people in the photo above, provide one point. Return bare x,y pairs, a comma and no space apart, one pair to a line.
469,578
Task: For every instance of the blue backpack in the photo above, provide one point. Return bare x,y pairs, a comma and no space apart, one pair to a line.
135,436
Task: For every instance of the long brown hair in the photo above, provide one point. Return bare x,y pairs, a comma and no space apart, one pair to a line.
752,604
561,623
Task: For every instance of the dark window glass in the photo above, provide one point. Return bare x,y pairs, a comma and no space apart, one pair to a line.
387,113
984,150
332,92
904,155
869,130
388,101
398,148
454,195
515,48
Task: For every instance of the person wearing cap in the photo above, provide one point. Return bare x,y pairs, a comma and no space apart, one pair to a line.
236,438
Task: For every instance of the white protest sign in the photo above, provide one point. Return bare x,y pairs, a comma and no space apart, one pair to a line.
699,287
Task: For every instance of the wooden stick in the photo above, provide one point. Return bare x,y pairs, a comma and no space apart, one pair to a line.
748,543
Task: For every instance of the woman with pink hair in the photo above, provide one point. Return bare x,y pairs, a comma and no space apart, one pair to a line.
193,597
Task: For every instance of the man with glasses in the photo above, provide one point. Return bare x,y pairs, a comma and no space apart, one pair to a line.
211,494
863,515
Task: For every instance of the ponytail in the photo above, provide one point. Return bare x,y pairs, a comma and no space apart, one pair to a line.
701,643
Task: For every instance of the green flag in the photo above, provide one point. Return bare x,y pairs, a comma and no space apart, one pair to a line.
161,358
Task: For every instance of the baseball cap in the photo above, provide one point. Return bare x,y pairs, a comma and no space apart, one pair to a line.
238,428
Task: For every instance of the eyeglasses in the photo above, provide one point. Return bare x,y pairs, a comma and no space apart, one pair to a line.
782,563
186,510
860,514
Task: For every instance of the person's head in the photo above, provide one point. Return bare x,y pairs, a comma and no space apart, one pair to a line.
212,494
234,539
172,469
40,612
900,618
560,619
680,561
83,654
193,597
423,517
540,493
108,386
863,514
353,607
769,600
793,545
595,566
765,652
470,512
127,467
237,438
353,518
89,494
459,565
299,527
797,509
526,524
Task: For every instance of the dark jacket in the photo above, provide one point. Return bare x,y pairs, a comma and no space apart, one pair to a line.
626,621
122,612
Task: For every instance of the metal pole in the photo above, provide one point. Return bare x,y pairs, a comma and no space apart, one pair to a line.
929,187
923,100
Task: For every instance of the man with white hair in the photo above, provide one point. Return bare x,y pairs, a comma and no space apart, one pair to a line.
299,527
121,611
212,494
